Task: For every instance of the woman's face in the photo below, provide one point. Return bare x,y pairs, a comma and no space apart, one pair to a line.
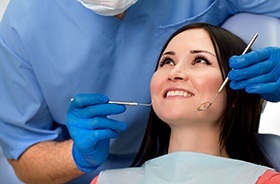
188,74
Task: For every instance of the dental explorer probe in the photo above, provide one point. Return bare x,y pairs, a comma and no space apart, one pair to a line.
129,103
125,103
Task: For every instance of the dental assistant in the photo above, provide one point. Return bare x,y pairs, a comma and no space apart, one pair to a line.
50,51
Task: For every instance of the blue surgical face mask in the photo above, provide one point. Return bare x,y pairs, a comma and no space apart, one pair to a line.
107,7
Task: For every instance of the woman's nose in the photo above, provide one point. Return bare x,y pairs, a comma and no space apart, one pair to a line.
178,74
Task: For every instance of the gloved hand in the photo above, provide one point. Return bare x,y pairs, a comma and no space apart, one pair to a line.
91,130
257,72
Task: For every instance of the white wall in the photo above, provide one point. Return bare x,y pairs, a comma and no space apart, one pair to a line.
270,119
3,4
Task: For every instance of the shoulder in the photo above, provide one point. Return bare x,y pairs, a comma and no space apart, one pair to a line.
271,177
94,181
20,13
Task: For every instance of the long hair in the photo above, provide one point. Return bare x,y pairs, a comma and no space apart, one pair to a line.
241,117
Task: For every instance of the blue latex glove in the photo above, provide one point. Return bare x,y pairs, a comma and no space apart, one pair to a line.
91,130
257,72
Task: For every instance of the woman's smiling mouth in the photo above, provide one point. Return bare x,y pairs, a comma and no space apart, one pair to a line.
178,93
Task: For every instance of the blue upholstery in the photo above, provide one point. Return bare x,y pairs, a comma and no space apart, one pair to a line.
246,25
270,146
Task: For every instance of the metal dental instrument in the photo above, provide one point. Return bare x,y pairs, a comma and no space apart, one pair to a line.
129,103
206,105
125,103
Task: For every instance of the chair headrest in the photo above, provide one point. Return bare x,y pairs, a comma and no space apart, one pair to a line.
246,25
270,146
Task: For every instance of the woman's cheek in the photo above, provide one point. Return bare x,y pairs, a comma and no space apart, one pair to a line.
154,86
206,86
157,85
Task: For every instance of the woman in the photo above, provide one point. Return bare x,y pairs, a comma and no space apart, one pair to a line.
214,146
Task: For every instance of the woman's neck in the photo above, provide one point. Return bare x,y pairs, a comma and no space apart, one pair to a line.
197,139
120,16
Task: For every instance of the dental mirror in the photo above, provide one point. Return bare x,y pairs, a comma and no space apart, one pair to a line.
207,105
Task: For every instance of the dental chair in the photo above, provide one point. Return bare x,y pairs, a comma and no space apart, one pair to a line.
246,25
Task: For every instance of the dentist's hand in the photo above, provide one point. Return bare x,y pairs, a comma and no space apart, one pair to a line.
91,130
257,72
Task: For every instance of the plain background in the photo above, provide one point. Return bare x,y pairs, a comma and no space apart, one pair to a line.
270,123
3,4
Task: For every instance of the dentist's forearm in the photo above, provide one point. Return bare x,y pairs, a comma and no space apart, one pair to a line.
47,162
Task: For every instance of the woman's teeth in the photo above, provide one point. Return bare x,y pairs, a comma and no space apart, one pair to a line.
178,93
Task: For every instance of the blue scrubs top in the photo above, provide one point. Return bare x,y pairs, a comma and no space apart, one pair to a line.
51,50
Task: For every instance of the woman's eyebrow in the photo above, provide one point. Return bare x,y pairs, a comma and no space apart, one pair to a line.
201,51
169,53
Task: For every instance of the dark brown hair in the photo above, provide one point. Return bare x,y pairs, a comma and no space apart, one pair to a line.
242,114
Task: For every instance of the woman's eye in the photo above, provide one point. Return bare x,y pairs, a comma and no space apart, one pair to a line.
199,61
167,61
202,60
